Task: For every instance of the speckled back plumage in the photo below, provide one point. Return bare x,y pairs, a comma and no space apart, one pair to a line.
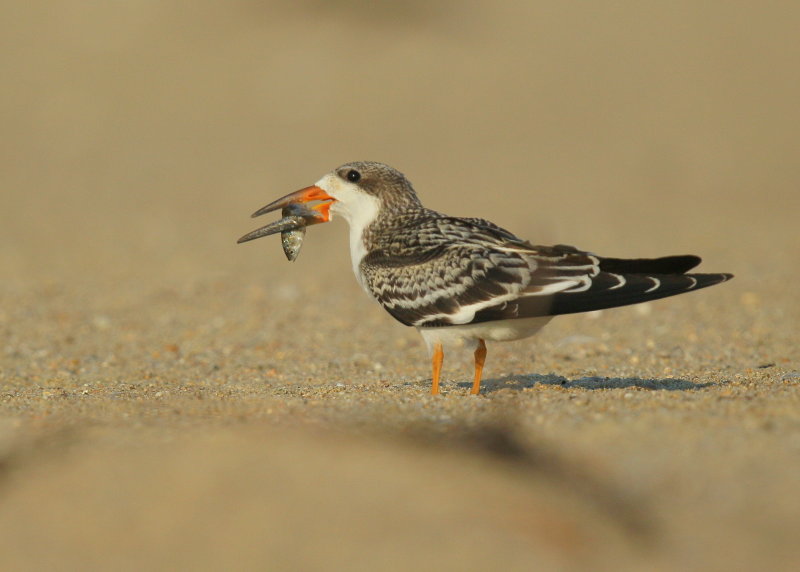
431,270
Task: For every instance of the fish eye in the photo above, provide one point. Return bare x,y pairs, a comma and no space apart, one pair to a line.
353,176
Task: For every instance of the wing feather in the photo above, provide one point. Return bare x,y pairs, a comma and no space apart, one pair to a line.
451,271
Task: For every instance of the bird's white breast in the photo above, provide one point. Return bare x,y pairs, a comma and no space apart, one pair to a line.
359,209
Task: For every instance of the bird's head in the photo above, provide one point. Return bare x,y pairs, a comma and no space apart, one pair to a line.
356,191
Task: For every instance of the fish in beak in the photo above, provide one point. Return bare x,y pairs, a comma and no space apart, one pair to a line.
297,215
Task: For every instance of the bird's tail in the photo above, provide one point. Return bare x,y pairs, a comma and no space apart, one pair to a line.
629,281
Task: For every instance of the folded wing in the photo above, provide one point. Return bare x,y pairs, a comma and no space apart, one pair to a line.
463,271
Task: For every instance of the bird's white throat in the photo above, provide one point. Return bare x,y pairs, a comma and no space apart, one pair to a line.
359,209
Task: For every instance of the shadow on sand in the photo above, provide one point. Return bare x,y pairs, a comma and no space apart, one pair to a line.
519,382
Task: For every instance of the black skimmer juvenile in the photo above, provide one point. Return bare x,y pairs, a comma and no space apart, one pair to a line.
466,280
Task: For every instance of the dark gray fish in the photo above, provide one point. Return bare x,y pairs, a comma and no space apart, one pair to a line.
292,227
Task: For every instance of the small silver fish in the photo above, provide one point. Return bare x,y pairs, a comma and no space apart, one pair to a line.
292,227
292,239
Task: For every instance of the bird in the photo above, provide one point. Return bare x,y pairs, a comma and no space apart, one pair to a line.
466,281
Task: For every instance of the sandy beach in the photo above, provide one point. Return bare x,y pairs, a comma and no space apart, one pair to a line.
172,400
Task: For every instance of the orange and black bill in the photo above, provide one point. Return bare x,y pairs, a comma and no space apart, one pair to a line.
295,212
307,195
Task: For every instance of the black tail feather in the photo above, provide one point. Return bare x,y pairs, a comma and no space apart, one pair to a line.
606,291
680,264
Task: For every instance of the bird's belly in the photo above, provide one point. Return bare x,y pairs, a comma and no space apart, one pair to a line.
469,334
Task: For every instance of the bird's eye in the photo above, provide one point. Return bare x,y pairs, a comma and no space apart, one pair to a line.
353,176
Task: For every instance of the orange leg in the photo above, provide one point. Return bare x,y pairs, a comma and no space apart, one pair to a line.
438,358
480,359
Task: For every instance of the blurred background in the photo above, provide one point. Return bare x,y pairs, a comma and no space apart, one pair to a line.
172,400
137,137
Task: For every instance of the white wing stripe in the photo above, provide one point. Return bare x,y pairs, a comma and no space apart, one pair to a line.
584,283
466,314
621,281
551,288
656,284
